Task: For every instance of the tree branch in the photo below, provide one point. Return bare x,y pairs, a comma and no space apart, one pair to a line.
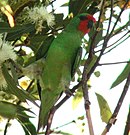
86,101
116,111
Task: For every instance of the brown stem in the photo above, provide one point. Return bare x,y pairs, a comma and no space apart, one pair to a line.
85,94
86,101
127,127
116,111
88,114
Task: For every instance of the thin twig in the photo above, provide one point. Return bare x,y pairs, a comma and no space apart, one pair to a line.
127,127
110,19
115,43
92,45
118,31
73,121
116,111
118,18
113,63
6,126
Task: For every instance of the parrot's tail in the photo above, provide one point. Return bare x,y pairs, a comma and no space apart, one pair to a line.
48,100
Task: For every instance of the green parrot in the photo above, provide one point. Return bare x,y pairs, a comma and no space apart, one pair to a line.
60,63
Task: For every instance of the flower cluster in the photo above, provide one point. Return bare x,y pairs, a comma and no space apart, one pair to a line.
6,52
38,15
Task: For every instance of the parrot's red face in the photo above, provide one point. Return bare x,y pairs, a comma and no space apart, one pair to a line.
86,23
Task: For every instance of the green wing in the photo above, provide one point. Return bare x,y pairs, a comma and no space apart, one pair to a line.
76,62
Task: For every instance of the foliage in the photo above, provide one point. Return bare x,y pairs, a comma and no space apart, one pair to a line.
105,111
32,39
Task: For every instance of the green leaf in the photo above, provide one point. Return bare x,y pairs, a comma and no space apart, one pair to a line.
20,5
27,125
13,72
105,111
40,45
13,89
77,98
76,62
11,111
43,48
78,6
7,110
122,76
17,31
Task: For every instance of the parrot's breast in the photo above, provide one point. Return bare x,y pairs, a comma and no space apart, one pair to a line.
60,58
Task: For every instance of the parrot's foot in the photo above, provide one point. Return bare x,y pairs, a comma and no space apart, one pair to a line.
69,93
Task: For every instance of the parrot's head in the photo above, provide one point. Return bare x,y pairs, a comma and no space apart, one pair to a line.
81,23
86,23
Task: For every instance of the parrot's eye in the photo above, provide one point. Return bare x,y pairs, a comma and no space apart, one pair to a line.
83,18
90,24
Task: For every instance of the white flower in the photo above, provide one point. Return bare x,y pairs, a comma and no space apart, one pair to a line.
6,51
38,15
3,83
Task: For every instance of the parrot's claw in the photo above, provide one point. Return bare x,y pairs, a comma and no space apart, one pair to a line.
69,93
